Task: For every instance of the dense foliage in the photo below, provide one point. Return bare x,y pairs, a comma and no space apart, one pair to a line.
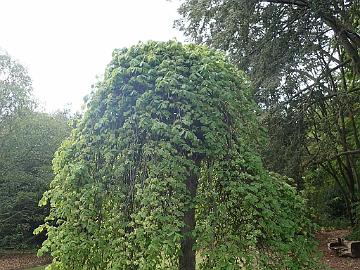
26,171
15,88
303,58
162,163
28,140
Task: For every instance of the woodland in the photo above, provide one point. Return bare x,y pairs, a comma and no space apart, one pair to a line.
229,151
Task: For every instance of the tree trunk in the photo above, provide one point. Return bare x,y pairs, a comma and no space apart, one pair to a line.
187,259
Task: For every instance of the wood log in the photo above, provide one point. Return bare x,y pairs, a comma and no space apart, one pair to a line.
345,248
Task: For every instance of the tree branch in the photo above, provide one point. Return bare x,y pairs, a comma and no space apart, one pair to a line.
316,81
299,3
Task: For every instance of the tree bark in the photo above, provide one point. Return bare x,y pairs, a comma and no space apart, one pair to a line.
187,260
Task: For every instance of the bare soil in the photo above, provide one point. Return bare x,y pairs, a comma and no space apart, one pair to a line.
21,260
330,258
24,260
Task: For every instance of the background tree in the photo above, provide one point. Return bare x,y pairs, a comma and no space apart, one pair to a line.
303,59
162,166
28,140
26,166
15,87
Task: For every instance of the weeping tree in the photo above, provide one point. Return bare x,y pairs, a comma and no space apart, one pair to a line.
160,173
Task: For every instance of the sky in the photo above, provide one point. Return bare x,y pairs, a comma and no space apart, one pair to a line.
66,44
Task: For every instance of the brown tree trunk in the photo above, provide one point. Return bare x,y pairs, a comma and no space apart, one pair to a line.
187,259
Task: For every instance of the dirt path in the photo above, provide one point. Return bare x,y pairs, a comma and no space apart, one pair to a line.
330,258
15,260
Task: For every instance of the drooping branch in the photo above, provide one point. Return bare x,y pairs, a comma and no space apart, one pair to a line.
347,37
317,81
299,3
12,216
338,155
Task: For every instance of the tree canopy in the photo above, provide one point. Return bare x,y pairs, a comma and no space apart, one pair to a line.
272,39
28,140
26,171
162,166
15,87
303,59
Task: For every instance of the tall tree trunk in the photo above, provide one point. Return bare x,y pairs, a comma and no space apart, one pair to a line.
187,260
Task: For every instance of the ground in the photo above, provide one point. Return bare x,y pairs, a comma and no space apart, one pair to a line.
37,268
329,257
25,261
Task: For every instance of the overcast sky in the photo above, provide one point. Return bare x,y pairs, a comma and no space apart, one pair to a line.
65,43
